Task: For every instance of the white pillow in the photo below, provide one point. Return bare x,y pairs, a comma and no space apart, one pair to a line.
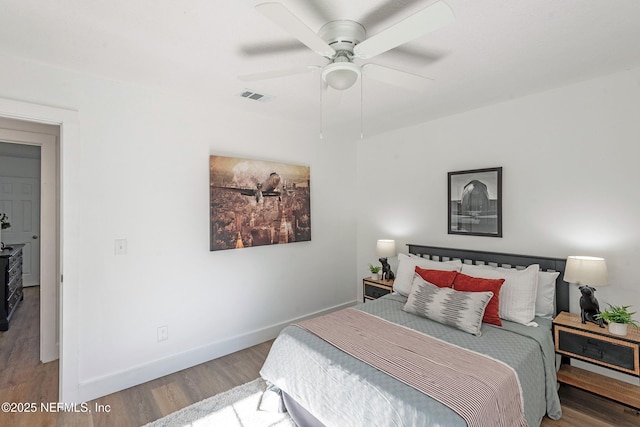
462,310
518,293
407,269
546,294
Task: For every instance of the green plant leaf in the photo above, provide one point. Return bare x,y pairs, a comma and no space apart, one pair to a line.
618,314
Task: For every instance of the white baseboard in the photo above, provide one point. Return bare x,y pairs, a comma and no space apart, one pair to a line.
102,386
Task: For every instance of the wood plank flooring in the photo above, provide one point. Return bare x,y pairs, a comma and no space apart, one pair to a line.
24,379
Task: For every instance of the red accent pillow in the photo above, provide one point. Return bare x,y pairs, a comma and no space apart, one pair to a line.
440,278
465,283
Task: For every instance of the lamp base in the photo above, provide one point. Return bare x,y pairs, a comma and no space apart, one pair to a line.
387,274
589,307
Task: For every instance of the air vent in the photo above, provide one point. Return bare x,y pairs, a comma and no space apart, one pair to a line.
250,94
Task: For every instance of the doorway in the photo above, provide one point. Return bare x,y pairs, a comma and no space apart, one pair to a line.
20,200
59,233
28,194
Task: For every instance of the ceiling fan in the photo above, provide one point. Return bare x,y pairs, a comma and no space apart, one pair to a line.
342,41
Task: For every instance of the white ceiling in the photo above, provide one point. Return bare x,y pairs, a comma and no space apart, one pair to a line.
496,50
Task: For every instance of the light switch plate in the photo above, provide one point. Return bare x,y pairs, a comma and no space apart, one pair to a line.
121,247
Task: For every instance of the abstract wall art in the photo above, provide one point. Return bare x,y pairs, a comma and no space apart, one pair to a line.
257,203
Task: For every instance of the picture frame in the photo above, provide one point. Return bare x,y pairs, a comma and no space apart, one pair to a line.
475,202
257,203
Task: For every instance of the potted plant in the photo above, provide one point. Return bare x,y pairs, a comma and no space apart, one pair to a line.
375,269
618,317
4,223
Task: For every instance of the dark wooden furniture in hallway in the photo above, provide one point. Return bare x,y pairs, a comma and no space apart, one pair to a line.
10,283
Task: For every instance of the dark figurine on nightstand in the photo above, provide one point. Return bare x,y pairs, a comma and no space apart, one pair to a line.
387,274
589,306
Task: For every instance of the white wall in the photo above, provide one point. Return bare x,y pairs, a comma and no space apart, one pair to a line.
570,177
140,172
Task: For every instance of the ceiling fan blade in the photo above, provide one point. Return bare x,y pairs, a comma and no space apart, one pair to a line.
265,48
396,77
265,75
420,23
285,19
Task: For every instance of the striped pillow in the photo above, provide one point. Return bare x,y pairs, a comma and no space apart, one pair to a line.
518,293
462,310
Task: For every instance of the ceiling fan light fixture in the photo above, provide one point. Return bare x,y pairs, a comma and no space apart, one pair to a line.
341,75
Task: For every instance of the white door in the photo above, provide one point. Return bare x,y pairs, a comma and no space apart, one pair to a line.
20,200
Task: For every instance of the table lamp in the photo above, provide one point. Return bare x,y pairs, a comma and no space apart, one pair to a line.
385,249
587,271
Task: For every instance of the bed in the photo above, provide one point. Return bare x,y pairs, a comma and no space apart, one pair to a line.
321,384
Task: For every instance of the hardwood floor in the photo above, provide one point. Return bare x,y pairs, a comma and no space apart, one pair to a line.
24,379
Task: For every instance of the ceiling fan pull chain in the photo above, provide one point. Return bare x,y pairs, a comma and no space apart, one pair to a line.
361,108
321,108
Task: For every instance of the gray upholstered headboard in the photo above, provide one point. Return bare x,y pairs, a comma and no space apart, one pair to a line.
501,260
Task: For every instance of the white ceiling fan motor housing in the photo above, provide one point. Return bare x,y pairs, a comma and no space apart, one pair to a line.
342,36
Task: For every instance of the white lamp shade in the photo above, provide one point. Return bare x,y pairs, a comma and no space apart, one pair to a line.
386,248
586,270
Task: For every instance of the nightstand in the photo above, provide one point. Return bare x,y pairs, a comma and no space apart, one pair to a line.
593,344
374,289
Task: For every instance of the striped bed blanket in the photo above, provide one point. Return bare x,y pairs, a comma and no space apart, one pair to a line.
482,390
341,390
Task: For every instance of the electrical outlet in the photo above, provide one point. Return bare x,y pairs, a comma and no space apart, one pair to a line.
163,333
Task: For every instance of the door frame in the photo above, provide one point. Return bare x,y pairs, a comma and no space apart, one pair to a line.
61,231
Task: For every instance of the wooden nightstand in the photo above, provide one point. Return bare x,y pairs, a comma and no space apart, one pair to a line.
374,289
590,343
